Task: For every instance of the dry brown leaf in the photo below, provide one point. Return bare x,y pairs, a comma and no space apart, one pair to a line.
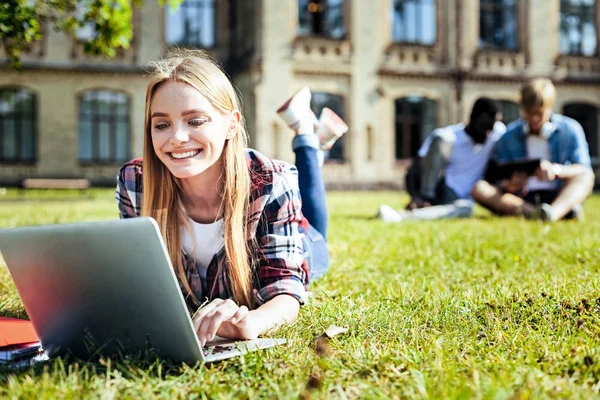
322,346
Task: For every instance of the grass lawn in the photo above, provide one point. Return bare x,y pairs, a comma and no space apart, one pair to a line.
480,308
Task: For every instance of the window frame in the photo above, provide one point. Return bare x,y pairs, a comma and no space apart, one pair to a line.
341,144
595,20
186,44
343,9
95,126
505,103
596,149
487,6
436,6
18,122
407,142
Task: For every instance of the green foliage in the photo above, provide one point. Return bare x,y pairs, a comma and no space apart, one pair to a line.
21,23
478,308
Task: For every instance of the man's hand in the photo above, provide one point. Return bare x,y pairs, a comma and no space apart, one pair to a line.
226,319
547,171
517,184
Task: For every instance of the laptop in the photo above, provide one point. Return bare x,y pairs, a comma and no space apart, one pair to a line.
107,288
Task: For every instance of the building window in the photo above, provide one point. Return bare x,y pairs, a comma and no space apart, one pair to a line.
104,127
324,18
18,125
587,116
414,21
321,100
191,24
416,117
510,111
578,27
498,24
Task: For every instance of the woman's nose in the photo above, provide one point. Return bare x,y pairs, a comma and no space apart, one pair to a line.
179,136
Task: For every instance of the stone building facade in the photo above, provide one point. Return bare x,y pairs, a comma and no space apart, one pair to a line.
394,69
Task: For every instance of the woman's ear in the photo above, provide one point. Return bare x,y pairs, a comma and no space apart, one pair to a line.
234,124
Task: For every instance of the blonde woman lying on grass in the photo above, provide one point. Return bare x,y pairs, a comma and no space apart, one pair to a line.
243,244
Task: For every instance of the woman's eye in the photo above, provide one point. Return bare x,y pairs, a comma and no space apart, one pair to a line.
161,126
197,122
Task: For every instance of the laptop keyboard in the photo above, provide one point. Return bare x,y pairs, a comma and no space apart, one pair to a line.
213,350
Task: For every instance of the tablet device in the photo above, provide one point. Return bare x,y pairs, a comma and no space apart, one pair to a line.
499,171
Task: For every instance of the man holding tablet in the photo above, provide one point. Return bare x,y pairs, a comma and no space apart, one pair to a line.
564,177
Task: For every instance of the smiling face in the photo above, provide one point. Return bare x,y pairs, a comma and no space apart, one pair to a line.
188,133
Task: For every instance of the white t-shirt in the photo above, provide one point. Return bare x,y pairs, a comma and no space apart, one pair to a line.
208,240
468,159
538,147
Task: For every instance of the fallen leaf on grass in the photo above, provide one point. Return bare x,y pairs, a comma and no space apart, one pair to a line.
322,346
334,331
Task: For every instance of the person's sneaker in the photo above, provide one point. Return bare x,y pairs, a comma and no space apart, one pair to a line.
577,213
296,109
388,214
331,128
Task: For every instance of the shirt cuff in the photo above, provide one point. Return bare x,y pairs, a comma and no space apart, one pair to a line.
289,286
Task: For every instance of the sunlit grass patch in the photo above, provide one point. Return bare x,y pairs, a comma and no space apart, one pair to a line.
478,308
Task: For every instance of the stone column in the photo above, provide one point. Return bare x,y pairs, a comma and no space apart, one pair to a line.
368,41
543,35
278,29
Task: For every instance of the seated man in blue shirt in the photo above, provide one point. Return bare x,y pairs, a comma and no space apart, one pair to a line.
564,178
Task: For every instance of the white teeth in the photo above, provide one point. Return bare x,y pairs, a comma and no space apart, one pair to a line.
185,155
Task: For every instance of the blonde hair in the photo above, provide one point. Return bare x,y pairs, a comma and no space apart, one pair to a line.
162,198
538,93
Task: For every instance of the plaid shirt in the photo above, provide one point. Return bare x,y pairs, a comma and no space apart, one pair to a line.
274,217
567,143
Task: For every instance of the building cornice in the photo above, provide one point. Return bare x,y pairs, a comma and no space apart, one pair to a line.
471,76
69,67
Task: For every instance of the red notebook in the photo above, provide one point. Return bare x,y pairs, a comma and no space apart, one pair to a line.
16,331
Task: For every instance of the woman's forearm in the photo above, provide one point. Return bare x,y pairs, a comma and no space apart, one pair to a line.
280,310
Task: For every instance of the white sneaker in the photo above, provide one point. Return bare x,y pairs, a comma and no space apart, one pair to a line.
388,214
331,128
297,108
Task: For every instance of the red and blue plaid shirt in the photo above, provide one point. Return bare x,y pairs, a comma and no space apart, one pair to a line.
274,216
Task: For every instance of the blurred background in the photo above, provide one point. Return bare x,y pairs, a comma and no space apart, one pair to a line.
393,69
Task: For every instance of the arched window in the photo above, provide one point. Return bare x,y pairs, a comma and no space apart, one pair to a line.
104,127
18,125
498,24
578,27
414,21
587,116
192,24
335,102
416,117
324,18
510,111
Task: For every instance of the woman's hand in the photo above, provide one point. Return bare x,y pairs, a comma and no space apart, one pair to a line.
226,319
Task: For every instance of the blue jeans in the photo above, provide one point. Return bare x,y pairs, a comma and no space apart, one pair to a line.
314,205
